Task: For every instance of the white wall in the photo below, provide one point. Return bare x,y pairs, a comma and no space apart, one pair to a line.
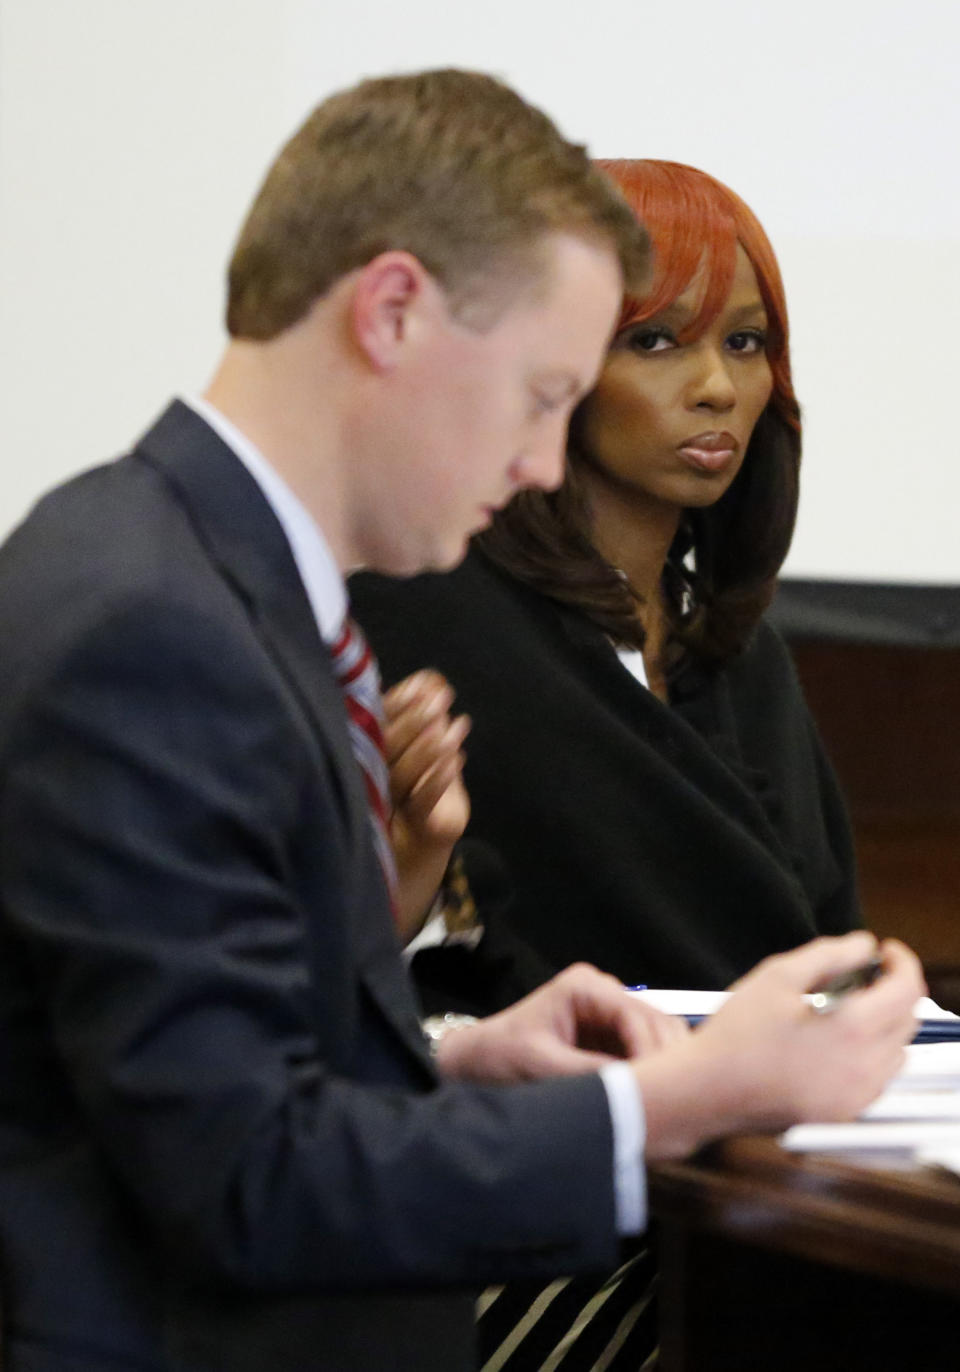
133,132
131,135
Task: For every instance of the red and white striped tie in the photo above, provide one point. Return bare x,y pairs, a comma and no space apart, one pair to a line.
359,676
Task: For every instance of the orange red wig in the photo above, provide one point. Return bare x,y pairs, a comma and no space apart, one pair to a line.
695,224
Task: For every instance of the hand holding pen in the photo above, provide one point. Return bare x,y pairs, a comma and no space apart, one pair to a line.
828,996
768,1058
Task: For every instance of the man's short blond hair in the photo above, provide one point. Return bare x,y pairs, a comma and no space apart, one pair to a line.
451,166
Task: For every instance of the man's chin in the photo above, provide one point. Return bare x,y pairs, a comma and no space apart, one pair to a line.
446,561
437,559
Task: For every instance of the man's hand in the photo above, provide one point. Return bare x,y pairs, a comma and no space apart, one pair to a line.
576,1023
766,1060
431,806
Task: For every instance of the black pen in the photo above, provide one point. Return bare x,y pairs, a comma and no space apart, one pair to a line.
829,993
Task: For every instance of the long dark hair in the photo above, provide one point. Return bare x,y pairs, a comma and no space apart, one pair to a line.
722,567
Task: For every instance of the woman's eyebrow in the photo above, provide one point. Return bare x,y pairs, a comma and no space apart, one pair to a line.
749,310
675,314
678,314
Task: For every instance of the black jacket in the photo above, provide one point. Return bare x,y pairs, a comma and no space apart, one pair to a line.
671,845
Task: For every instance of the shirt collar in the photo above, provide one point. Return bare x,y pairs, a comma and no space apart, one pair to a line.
321,577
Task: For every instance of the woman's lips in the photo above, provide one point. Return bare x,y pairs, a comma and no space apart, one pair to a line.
709,452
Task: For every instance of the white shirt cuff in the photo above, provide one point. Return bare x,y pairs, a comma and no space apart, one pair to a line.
629,1137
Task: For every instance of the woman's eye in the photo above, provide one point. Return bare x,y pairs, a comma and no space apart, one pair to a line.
651,340
747,341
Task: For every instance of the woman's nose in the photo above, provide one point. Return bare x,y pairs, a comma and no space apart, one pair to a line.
712,385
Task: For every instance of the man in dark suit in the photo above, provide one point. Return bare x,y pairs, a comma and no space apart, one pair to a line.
223,1142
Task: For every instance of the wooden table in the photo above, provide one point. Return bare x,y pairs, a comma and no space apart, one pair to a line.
774,1261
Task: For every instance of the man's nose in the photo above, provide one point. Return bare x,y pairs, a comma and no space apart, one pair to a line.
542,462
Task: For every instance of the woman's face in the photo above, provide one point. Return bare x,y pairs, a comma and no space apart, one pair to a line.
672,420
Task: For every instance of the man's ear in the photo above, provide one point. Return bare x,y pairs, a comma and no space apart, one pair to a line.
388,292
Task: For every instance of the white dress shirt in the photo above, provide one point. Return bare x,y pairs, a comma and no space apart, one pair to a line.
632,659
327,594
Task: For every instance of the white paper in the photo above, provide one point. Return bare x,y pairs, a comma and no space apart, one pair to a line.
930,1067
709,1002
868,1134
929,1009
914,1105
940,1155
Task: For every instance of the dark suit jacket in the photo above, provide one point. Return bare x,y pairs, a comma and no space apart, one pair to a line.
222,1144
673,845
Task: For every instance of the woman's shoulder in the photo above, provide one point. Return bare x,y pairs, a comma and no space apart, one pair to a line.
761,681
475,606
476,591
765,653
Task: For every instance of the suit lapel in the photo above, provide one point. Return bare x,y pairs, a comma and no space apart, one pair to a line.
247,544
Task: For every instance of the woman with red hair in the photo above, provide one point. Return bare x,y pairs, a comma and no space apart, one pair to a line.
641,755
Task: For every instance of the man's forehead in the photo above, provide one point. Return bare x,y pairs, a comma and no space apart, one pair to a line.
558,274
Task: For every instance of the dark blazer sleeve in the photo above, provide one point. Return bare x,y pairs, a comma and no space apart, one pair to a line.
177,864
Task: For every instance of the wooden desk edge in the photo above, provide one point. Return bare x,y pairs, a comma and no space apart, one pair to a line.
901,1223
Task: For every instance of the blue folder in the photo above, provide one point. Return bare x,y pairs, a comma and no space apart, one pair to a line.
930,1030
